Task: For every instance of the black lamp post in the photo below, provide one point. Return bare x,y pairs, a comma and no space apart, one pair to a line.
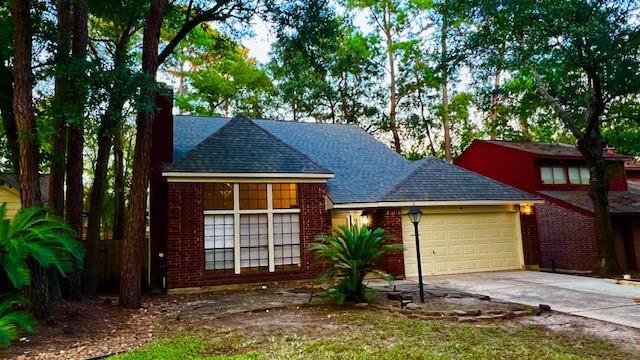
415,214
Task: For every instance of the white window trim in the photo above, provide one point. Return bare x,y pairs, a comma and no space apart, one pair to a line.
236,212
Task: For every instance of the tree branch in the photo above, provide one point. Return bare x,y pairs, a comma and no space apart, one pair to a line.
554,103
216,13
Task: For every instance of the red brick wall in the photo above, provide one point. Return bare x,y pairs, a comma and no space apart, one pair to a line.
530,243
185,227
567,237
391,221
185,243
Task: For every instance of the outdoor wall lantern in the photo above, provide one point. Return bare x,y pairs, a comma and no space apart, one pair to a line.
415,214
364,218
526,209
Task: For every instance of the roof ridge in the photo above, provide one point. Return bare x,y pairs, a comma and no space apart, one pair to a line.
498,141
404,179
183,157
208,117
282,141
237,119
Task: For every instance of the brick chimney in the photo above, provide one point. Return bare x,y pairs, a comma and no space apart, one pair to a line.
161,156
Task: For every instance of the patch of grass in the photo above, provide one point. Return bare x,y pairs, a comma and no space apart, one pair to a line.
379,335
189,346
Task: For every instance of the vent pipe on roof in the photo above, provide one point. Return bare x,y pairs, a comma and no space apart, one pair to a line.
609,150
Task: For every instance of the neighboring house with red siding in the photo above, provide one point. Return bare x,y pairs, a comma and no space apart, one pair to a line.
239,200
564,224
632,170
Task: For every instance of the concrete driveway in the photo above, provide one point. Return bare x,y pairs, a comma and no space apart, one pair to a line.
600,299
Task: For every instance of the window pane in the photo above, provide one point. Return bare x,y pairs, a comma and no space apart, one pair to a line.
286,239
253,196
559,176
218,196
585,175
546,175
574,175
254,241
218,242
285,196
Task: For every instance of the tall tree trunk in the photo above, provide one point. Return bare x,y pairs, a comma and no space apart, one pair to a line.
445,87
592,147
393,96
494,106
8,118
134,239
110,121
75,142
426,124
62,100
38,290
118,183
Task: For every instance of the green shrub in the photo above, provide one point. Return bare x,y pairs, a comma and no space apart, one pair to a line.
32,235
351,253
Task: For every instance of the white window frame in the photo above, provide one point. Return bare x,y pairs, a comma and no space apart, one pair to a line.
555,180
236,212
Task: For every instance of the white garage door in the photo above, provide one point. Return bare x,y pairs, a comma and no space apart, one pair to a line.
462,242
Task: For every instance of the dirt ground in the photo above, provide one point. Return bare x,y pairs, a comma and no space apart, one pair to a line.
86,330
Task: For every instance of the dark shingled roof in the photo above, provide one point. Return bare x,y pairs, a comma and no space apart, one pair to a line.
240,146
550,150
365,169
436,180
620,202
189,131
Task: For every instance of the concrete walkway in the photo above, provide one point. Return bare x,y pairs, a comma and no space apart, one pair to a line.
600,299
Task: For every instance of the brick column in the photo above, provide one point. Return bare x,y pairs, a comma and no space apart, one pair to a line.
314,220
391,221
185,227
530,243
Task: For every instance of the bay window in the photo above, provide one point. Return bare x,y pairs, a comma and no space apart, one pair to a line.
251,226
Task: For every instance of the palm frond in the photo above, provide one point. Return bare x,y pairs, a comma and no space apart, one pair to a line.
12,321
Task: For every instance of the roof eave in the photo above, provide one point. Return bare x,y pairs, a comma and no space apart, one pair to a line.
427,203
255,175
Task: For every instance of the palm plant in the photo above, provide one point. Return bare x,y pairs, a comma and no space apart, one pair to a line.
351,253
31,235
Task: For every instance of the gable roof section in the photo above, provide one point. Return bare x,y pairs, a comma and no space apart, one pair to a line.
436,180
240,146
565,151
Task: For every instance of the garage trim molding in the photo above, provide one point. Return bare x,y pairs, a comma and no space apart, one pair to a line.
433,203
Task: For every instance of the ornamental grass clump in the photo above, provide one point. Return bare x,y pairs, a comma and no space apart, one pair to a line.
351,253
30,236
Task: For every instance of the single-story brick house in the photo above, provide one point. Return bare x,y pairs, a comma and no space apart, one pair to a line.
238,201
562,230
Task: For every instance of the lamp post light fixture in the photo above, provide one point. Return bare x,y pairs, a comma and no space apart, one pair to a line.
415,214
